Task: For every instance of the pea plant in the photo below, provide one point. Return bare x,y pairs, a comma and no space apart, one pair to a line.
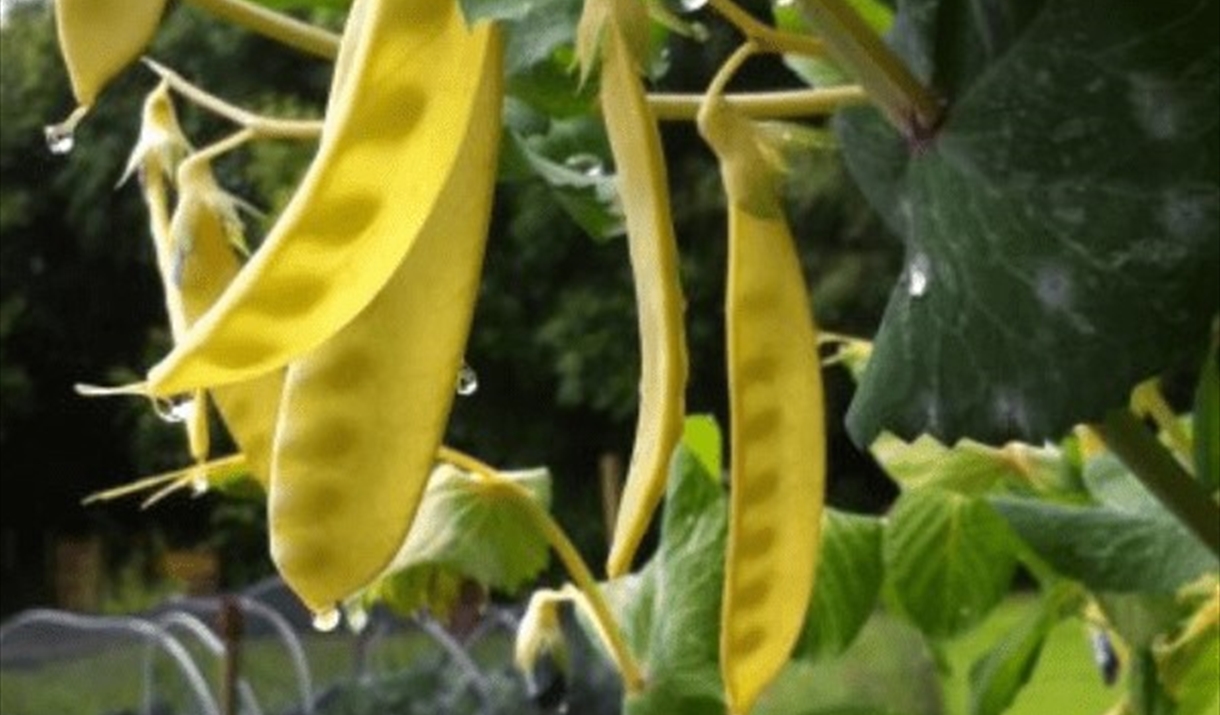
1043,387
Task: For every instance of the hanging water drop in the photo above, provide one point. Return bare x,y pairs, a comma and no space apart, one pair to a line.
174,409
692,5
326,621
199,483
357,617
467,381
61,138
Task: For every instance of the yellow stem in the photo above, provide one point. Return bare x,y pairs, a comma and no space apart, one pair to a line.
277,26
633,678
767,38
792,104
908,104
261,127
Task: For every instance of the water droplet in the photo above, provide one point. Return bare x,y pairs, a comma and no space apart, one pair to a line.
199,483
692,5
467,381
357,617
588,164
60,137
174,409
326,621
918,276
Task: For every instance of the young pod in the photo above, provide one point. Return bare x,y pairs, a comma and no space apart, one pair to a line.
778,447
643,190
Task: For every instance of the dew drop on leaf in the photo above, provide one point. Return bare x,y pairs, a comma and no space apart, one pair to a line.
918,276
326,621
467,381
61,138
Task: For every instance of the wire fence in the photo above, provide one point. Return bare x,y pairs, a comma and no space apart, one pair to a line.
256,653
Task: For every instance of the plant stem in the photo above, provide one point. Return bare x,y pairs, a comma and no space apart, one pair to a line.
633,678
259,125
761,105
1157,469
765,37
852,43
277,26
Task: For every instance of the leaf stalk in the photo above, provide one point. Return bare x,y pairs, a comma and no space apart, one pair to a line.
274,25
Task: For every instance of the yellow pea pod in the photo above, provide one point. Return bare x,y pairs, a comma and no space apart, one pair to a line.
396,121
363,415
636,145
100,38
778,462
202,264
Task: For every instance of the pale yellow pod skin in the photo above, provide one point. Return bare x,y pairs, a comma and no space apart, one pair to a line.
363,415
390,140
100,38
778,447
640,163
204,264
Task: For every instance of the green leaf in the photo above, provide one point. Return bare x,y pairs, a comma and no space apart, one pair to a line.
1108,549
997,678
949,559
569,156
466,528
1112,484
670,610
701,436
968,468
848,583
1206,423
1062,226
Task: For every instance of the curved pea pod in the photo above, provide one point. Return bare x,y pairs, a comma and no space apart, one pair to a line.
100,38
778,461
363,415
636,145
399,112
204,230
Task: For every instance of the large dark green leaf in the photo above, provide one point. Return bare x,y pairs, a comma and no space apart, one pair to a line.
1206,423
949,559
1062,227
1110,549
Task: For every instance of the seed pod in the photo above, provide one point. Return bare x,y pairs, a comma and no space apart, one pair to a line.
100,38
204,230
778,447
363,414
398,118
636,145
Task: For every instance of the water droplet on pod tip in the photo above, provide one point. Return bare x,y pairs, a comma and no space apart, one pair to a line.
326,621
61,138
